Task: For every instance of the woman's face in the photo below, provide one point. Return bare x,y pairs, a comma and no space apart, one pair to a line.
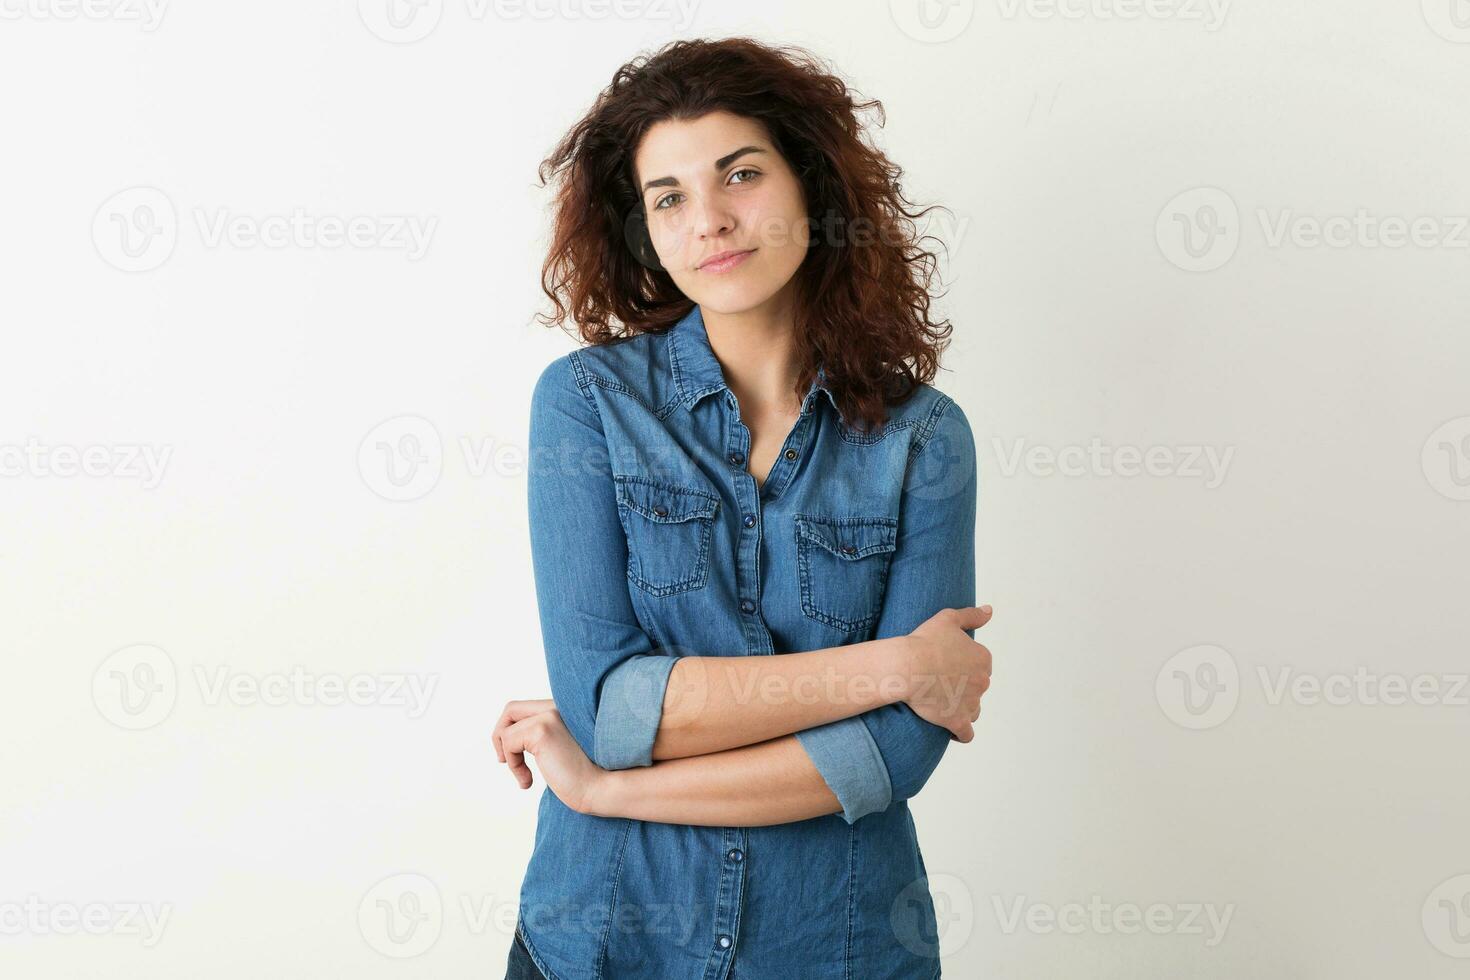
715,185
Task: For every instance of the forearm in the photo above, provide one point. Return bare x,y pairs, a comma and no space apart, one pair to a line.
773,782
716,703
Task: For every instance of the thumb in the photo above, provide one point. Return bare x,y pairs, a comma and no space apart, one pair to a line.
973,617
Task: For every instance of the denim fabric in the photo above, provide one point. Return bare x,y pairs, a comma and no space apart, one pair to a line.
519,965
651,541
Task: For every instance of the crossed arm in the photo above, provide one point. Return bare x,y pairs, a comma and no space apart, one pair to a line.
687,742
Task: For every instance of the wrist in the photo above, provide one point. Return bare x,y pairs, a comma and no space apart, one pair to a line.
603,793
902,665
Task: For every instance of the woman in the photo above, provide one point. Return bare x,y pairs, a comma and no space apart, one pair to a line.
752,528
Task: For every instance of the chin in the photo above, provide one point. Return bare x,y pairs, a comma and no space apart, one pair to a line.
733,296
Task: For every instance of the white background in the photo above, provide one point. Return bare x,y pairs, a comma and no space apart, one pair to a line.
1331,544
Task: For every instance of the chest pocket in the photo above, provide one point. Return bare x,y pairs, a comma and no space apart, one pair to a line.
843,567
669,529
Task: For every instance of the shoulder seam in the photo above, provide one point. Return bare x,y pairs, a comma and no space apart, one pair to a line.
584,381
931,423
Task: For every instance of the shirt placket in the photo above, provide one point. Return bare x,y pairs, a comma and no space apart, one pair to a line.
748,498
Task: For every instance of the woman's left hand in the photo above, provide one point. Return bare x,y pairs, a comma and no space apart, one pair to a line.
536,727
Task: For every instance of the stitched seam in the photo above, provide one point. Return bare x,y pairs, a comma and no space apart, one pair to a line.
804,544
612,899
857,439
851,897
546,971
677,370
932,423
697,578
586,378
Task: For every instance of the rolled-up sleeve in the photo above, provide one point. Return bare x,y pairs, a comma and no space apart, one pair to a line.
607,679
851,765
888,753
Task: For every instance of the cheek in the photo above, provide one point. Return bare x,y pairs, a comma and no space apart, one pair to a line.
669,234
780,223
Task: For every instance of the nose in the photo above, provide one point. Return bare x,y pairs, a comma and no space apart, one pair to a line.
713,219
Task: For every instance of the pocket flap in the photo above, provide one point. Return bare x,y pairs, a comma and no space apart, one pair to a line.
849,537
665,502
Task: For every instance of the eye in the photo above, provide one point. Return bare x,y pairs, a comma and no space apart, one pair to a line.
659,204
746,170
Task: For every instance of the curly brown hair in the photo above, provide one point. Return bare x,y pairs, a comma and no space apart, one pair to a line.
862,291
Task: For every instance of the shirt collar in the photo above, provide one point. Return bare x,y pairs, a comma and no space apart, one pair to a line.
697,372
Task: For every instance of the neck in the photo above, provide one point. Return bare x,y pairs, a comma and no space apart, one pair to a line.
756,349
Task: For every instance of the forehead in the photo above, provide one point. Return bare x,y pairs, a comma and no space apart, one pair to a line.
686,148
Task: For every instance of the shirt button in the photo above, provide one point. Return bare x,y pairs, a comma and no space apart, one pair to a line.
750,520
661,511
747,606
737,458
735,854
791,454
724,942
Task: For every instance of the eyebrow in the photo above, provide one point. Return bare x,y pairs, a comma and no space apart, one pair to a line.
720,164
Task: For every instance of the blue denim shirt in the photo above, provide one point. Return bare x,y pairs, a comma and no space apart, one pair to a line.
650,541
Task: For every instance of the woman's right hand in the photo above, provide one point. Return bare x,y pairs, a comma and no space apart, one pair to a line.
948,671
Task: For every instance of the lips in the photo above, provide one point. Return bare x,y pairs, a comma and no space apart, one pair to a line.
723,261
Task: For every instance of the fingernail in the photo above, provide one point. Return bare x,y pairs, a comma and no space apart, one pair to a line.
985,609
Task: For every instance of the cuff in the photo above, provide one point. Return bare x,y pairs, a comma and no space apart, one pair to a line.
629,711
848,759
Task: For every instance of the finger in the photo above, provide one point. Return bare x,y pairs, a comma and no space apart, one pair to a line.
973,617
965,732
516,747
495,734
514,712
